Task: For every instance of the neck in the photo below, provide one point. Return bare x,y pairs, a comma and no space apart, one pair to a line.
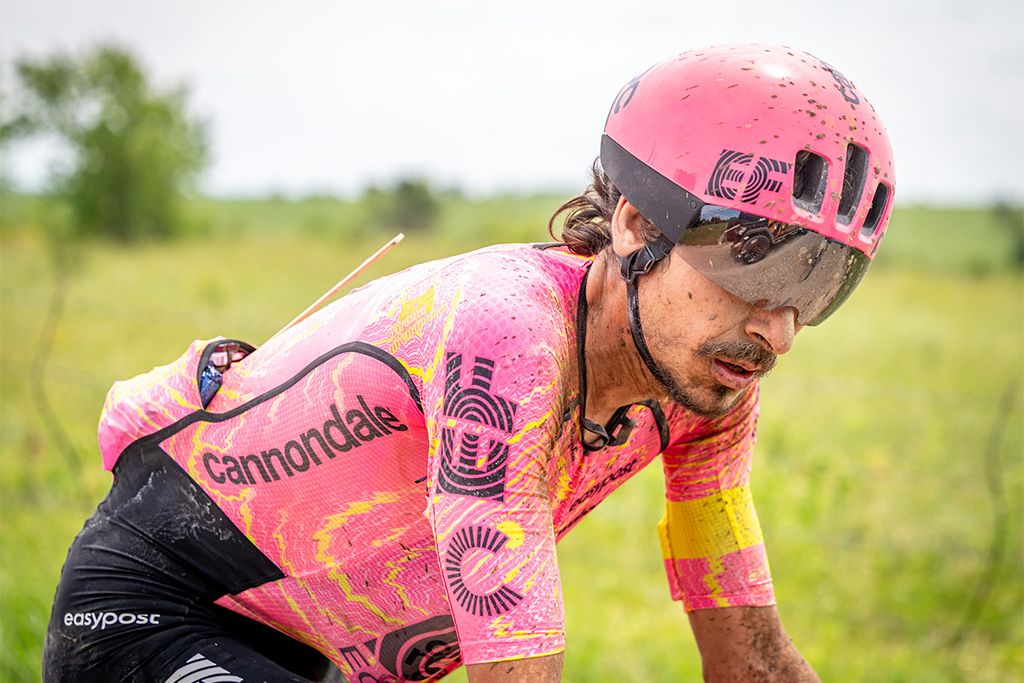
616,375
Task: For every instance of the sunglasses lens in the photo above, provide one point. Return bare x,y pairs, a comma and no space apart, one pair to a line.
773,264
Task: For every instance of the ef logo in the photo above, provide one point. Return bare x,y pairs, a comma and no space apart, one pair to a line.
737,173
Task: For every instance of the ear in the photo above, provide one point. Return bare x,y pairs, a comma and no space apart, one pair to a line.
625,228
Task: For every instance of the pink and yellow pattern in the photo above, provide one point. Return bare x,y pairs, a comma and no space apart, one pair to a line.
409,456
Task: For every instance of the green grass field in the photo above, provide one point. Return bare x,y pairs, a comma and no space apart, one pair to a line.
882,502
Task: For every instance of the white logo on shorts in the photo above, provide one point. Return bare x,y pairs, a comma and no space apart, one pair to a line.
102,620
199,669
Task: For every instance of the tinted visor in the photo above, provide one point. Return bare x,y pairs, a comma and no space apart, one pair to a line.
772,264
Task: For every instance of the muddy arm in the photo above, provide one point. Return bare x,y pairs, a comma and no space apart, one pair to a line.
747,644
533,670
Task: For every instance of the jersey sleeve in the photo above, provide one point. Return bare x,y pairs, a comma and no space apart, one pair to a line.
710,536
492,421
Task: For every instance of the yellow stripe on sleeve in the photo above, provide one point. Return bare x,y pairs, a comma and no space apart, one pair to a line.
715,525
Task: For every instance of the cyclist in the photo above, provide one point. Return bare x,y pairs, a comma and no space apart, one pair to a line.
382,485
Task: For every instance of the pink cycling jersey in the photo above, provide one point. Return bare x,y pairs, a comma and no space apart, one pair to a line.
409,456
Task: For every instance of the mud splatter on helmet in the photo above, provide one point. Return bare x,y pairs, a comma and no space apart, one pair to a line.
765,168
769,150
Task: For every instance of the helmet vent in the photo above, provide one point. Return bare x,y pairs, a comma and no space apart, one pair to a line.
876,211
853,182
810,172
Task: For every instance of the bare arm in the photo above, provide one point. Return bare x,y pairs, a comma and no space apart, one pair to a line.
747,644
546,669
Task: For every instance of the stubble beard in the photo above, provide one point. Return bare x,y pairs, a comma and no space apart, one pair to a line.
719,403
685,396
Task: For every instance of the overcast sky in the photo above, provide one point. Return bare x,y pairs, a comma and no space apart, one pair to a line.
329,96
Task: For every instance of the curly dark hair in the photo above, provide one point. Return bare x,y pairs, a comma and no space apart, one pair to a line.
586,227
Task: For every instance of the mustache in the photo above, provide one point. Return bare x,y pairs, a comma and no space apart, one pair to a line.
740,350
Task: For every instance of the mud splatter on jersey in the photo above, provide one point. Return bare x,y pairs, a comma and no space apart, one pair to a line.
409,456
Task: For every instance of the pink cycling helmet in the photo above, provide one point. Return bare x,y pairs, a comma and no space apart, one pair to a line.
764,166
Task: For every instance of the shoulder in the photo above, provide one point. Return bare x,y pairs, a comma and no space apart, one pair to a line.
517,273
512,298
508,319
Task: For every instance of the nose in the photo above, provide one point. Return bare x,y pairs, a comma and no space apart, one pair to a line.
774,330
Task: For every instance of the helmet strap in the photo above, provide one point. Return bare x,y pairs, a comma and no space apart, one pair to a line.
637,330
620,425
631,267
643,259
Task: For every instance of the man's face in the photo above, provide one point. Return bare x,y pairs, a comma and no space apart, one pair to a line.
710,345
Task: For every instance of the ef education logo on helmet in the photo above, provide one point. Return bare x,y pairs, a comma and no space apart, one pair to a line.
101,620
734,171
776,130
763,168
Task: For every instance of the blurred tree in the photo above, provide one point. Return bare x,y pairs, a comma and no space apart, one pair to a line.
133,152
409,204
1012,219
134,149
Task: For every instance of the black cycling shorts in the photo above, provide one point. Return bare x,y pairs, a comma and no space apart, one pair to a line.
136,595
